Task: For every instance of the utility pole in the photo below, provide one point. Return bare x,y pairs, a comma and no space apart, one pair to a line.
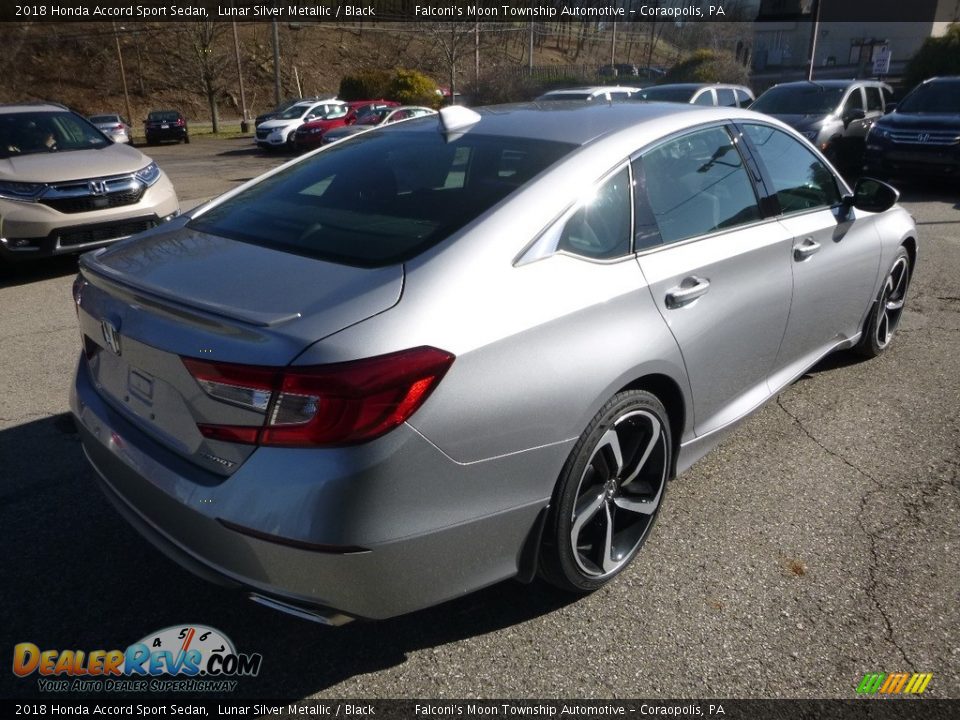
531,47
276,63
123,79
613,45
244,125
813,39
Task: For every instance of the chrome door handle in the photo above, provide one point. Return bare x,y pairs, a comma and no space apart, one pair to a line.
805,249
687,291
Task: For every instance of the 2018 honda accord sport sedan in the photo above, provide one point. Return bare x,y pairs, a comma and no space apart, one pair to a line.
469,347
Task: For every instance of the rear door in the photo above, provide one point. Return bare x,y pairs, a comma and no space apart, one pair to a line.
834,259
719,272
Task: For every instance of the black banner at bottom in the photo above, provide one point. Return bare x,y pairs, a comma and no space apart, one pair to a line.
859,709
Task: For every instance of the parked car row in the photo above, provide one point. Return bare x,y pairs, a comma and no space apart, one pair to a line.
308,124
855,123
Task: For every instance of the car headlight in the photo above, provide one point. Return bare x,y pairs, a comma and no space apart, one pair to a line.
878,133
149,175
21,190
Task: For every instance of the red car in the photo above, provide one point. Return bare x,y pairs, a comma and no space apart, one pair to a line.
310,134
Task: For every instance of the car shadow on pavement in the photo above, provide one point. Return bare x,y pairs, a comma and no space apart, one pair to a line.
77,576
24,273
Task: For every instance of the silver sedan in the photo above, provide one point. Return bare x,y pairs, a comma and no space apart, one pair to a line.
469,347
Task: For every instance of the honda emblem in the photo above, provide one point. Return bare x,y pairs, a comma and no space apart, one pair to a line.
111,336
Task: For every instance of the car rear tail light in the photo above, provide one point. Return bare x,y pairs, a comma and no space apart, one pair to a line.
323,405
180,122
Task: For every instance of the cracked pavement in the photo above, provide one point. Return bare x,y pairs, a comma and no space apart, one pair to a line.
818,542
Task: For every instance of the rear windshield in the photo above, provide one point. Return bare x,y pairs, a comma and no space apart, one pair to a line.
799,100
43,132
666,94
380,198
164,116
934,97
104,119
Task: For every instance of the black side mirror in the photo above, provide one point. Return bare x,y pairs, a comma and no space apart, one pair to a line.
854,114
872,195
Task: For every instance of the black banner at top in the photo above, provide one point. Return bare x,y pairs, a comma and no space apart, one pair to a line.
512,11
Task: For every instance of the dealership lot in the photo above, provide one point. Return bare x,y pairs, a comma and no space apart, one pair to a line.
818,543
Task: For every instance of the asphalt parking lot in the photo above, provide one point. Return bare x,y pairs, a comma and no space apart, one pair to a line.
819,542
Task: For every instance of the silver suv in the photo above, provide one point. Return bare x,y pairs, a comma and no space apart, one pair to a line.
65,187
834,115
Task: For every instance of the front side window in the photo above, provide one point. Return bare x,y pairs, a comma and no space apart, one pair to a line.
600,229
800,180
854,101
696,185
874,103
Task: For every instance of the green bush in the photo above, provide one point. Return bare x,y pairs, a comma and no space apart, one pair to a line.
708,66
410,87
937,56
365,85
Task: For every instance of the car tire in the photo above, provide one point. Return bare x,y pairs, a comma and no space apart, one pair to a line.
186,139
887,311
609,493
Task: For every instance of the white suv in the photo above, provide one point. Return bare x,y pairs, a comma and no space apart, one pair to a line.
597,92
280,131
65,187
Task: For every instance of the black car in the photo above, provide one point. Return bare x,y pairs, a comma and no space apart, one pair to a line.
921,136
166,125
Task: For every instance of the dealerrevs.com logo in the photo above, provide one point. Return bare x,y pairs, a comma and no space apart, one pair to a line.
181,658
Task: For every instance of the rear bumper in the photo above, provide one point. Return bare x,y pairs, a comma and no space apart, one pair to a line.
383,551
156,134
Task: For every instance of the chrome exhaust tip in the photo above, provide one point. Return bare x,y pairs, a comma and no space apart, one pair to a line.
330,618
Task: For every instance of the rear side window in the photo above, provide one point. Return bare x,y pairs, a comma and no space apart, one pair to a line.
704,98
381,198
801,181
874,103
743,98
696,185
601,227
726,98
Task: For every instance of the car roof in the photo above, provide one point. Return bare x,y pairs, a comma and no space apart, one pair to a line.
592,89
579,123
9,108
697,86
829,83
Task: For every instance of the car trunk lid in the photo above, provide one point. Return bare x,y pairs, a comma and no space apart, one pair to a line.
148,303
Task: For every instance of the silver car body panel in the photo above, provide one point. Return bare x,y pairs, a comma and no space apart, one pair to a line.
449,501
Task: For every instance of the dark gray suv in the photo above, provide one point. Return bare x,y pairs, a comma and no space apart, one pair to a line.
834,115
